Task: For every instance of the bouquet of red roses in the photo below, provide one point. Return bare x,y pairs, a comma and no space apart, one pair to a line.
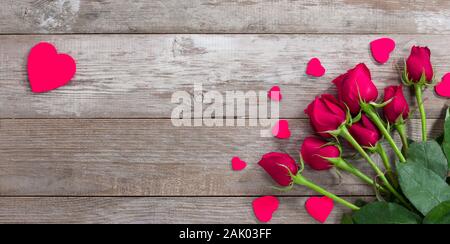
411,188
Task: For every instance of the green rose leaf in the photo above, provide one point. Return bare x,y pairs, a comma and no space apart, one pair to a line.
430,155
440,139
424,188
385,213
446,143
439,215
410,141
347,219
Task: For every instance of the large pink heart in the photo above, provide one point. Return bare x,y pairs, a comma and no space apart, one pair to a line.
382,49
315,68
275,94
48,70
281,130
443,88
264,207
319,208
238,164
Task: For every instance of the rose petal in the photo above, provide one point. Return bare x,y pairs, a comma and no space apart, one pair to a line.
237,164
315,68
319,208
443,88
281,130
275,94
382,49
265,207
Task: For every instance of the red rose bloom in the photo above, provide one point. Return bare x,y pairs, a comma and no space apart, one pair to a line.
356,86
365,132
314,151
419,63
326,114
398,107
278,166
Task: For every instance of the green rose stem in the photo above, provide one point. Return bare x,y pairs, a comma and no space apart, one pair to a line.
343,132
300,180
384,157
340,163
386,162
370,112
401,129
423,116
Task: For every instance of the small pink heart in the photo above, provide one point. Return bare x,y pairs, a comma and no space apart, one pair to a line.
315,68
265,207
443,88
275,94
281,130
238,164
319,208
382,49
48,70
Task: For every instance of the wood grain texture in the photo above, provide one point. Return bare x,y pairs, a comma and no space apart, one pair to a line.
135,76
231,16
102,149
129,157
165,210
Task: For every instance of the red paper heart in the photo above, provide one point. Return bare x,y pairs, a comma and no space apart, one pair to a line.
238,164
443,88
315,68
265,207
281,130
382,49
319,208
48,70
275,93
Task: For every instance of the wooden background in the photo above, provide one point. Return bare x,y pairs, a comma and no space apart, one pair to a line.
103,149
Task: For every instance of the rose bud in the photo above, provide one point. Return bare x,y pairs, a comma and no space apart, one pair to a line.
365,132
397,107
314,152
326,114
419,63
356,86
279,166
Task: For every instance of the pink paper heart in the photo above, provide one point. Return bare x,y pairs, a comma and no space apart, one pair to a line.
443,88
238,164
319,208
315,68
382,49
265,207
275,94
281,130
48,70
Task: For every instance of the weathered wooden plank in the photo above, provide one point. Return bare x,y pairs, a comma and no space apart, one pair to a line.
217,16
123,157
160,210
135,76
